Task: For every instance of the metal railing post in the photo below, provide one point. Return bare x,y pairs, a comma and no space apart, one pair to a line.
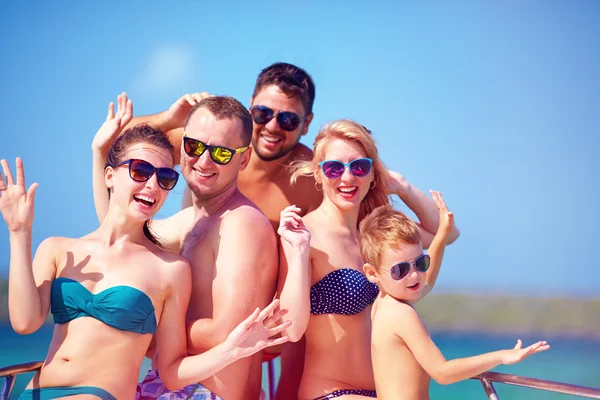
9,382
489,389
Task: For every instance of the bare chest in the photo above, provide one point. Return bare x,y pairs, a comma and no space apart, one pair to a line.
329,253
272,197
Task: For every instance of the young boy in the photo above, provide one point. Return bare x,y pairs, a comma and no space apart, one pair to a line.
404,356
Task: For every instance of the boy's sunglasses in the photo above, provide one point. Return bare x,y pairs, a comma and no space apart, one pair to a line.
402,269
333,169
219,154
141,171
287,120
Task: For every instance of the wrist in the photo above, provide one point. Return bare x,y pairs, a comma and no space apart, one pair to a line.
166,123
299,250
403,188
228,352
24,232
100,151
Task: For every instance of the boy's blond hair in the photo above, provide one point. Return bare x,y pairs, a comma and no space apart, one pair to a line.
385,228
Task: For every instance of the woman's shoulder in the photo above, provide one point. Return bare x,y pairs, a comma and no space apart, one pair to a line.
57,243
171,265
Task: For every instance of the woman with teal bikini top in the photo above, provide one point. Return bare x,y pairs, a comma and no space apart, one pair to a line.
113,289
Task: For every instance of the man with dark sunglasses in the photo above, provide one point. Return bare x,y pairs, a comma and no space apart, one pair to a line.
228,241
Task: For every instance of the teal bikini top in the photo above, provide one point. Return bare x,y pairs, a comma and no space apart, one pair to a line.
121,307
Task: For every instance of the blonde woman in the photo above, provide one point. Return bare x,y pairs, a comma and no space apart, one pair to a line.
328,297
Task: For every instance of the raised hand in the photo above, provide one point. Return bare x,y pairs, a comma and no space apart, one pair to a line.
16,203
255,332
446,217
518,354
178,112
292,228
114,124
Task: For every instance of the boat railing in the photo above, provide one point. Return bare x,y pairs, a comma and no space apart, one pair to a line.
10,373
487,379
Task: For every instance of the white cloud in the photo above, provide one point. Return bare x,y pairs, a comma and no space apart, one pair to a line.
169,69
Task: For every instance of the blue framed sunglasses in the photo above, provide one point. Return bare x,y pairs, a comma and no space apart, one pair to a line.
333,169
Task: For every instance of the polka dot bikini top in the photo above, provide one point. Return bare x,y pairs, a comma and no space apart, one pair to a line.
343,291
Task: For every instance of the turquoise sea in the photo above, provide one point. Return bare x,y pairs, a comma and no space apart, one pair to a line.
569,360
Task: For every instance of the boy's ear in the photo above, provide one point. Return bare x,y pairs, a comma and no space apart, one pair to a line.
370,273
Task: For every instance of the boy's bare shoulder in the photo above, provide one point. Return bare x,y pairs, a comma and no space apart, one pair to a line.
394,314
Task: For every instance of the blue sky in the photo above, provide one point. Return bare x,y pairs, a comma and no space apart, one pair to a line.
496,104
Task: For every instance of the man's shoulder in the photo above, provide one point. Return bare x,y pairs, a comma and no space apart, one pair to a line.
301,152
244,213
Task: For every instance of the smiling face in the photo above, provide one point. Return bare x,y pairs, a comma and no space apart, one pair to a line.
270,141
347,191
409,288
205,177
138,200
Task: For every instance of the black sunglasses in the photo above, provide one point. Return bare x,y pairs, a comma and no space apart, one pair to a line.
141,171
402,269
287,120
219,154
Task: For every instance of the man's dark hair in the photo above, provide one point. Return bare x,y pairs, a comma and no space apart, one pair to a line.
291,80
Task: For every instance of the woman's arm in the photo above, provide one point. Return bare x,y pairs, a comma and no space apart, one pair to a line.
106,135
293,285
29,283
423,207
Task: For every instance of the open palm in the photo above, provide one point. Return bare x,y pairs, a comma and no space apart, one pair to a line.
16,203
114,124
519,353
255,332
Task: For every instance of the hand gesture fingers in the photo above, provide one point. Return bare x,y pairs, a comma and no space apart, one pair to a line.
114,123
7,173
16,204
268,310
181,108
446,217
279,328
439,201
518,353
201,96
271,321
292,228
111,111
125,111
278,341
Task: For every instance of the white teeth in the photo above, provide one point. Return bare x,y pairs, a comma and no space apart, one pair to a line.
203,174
271,139
347,189
144,198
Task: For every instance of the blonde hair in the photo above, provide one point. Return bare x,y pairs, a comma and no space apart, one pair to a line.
385,228
355,133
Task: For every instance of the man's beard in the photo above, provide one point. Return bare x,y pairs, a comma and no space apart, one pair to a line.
271,157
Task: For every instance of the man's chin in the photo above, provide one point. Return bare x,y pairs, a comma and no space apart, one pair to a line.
270,156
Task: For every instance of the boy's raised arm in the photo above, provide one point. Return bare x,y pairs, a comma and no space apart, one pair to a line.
438,245
411,329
